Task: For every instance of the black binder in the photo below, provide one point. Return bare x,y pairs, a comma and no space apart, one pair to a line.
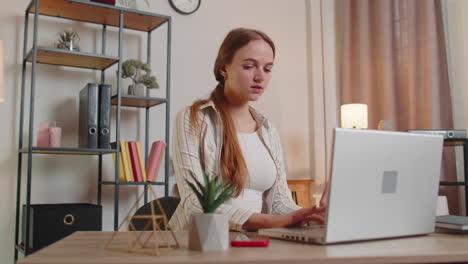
88,126
104,116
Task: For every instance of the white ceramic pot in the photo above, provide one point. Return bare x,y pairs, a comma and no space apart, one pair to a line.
209,232
137,89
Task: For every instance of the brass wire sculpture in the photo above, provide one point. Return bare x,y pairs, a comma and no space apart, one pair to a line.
163,240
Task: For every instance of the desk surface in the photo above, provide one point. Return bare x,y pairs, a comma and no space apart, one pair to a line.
88,247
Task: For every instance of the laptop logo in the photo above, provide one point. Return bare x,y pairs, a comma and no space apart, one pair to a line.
389,181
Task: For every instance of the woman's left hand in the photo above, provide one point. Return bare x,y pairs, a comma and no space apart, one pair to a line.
315,214
304,215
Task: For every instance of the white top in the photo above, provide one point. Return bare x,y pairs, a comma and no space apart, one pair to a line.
262,173
186,147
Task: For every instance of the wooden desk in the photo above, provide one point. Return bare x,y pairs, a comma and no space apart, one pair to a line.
88,247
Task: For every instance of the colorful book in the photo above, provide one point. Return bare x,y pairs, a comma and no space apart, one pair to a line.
154,161
121,167
142,162
126,161
137,175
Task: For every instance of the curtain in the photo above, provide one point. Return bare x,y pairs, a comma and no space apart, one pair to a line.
393,58
323,88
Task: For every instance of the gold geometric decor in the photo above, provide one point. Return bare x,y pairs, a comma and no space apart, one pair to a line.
153,238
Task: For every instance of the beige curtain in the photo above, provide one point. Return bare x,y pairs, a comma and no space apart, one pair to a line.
393,58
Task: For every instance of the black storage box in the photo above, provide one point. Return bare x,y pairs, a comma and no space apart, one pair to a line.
52,222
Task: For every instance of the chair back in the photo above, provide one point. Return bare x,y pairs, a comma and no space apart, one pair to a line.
168,204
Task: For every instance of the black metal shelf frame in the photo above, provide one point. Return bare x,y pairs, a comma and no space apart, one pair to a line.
32,57
462,142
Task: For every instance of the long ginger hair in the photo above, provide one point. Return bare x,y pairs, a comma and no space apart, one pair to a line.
232,163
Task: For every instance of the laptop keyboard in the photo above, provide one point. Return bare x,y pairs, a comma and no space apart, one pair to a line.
312,225
305,234
319,229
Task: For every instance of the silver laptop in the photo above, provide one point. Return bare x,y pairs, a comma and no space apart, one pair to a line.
383,184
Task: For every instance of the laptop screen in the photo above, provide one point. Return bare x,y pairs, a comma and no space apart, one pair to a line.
383,184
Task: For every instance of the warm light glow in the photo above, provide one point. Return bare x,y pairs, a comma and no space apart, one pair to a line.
354,116
2,97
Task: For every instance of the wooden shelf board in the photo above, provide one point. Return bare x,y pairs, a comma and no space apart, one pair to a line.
73,151
99,13
72,58
454,143
138,101
131,183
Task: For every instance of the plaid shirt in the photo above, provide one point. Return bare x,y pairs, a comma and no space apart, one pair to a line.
192,151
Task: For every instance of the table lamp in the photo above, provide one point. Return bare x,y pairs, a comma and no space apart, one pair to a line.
2,97
354,116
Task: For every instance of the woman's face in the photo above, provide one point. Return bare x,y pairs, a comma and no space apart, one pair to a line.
248,75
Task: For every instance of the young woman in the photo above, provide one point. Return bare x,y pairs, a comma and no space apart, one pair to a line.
223,135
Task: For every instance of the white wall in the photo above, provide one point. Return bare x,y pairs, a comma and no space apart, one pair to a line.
195,40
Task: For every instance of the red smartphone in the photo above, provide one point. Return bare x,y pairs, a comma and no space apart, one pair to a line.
250,240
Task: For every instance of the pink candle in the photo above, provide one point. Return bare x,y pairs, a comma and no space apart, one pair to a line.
43,134
55,137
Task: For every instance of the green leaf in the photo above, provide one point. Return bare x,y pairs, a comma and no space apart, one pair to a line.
146,67
221,186
206,178
200,186
198,194
224,196
212,193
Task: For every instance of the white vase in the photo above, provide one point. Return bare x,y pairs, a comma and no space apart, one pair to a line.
137,89
209,232
128,3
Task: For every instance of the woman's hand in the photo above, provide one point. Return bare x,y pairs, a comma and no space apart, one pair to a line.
304,215
297,218
315,214
324,199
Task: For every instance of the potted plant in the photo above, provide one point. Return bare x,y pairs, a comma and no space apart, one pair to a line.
68,39
134,69
209,231
131,3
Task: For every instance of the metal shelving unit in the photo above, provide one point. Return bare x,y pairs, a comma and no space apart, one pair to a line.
68,58
464,184
138,101
105,15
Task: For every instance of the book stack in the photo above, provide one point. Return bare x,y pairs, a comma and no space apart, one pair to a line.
452,224
94,112
132,166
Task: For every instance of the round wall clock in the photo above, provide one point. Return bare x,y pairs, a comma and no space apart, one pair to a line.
185,7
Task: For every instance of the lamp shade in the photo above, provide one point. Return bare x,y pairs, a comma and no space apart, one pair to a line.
2,97
354,116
